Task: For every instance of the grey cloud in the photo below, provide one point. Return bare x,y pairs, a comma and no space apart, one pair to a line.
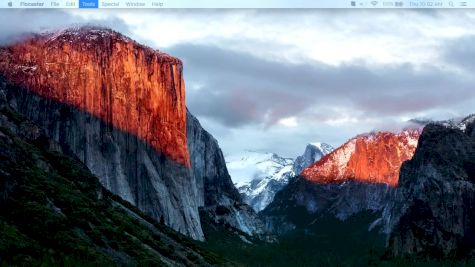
239,88
16,23
237,94
461,52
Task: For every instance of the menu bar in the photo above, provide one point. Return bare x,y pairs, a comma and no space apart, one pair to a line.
126,4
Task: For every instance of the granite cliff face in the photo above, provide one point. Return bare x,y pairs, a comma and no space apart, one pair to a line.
52,206
301,203
313,153
259,176
209,166
133,88
217,196
125,165
371,158
358,176
119,107
433,208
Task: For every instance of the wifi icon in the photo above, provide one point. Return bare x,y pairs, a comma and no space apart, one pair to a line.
374,3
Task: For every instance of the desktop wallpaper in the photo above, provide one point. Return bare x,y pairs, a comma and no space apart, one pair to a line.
237,137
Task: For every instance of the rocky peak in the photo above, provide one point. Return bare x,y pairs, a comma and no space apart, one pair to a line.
119,107
259,176
313,152
129,86
455,123
374,158
432,211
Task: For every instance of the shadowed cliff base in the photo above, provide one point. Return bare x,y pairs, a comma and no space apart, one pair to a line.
54,212
132,169
119,106
433,212
125,165
302,202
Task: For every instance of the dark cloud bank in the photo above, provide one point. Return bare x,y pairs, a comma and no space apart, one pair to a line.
238,88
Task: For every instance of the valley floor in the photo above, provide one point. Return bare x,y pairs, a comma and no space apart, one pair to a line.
329,242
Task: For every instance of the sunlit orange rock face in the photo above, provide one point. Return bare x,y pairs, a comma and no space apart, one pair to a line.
371,158
129,86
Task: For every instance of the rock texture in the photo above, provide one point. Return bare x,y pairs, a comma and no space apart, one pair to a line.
259,176
301,202
209,167
120,108
371,158
313,153
133,88
433,208
125,165
358,176
53,210
217,195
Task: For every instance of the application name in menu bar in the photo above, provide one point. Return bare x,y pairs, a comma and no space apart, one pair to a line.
234,4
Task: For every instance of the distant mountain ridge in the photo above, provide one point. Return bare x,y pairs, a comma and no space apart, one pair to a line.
375,158
267,173
313,152
460,123
358,176
262,174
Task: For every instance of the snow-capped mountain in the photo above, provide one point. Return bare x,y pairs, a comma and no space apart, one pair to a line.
460,123
456,123
259,176
313,152
360,175
374,158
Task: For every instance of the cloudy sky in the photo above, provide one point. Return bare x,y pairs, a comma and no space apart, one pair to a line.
275,80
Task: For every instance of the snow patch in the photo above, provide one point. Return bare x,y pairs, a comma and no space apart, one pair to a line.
259,176
324,148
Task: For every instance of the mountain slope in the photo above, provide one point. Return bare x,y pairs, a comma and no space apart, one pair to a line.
305,199
432,213
328,242
266,173
357,176
131,87
54,212
313,153
259,176
119,107
373,158
217,196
